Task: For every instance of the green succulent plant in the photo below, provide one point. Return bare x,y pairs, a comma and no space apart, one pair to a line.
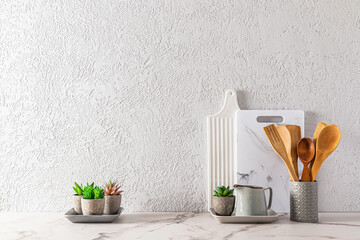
88,192
223,192
91,185
91,192
98,193
78,189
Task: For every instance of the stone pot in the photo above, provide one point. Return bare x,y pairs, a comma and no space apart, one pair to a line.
112,204
223,206
77,203
92,206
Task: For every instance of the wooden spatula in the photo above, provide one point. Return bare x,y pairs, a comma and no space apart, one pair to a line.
279,147
295,133
286,138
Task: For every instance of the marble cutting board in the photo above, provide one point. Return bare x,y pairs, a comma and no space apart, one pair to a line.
257,163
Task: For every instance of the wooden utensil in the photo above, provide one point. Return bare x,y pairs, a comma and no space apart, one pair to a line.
295,133
286,138
326,143
318,129
306,152
279,147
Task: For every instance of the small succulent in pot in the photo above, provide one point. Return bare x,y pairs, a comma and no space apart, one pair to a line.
93,202
112,197
77,197
223,201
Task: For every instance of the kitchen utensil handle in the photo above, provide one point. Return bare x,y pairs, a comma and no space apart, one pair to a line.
270,197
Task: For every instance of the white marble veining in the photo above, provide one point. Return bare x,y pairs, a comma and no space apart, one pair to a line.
257,163
185,225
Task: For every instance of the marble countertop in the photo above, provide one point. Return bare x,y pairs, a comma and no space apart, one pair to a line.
174,226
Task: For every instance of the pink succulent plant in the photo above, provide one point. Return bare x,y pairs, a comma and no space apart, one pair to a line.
112,188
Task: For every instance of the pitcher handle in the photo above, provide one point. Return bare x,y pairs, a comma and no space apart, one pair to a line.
270,197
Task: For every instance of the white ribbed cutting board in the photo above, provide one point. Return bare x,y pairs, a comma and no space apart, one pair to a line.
221,145
257,163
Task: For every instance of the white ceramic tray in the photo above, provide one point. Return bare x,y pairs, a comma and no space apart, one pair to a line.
271,217
79,218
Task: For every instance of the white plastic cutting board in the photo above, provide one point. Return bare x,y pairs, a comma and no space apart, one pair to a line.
257,163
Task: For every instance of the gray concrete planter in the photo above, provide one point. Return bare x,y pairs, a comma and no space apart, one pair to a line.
112,204
223,206
92,206
77,203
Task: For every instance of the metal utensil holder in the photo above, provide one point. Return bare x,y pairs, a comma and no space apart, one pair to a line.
304,202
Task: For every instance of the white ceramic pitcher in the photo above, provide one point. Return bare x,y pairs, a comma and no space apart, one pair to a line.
251,201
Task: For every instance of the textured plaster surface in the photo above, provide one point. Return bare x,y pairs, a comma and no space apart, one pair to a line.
96,89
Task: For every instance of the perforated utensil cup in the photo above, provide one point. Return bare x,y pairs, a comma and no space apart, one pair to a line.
304,202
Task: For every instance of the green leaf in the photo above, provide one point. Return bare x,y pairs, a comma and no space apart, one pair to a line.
88,192
98,193
220,190
75,190
79,190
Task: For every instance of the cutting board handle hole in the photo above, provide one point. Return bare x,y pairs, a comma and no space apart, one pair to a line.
270,119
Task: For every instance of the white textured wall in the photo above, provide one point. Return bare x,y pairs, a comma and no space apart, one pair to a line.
99,89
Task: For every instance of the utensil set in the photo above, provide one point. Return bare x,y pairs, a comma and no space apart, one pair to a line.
287,143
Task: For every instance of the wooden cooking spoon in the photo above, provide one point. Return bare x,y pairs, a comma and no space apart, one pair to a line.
327,142
317,132
306,152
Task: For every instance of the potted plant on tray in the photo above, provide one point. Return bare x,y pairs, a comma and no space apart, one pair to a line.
112,197
77,197
223,201
93,201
